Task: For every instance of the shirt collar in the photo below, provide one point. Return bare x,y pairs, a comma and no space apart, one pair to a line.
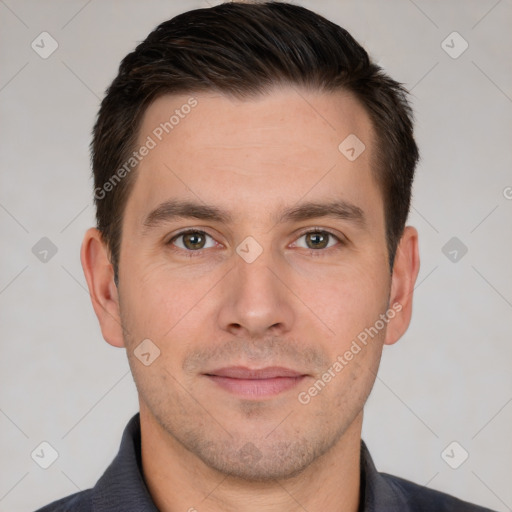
122,486
378,494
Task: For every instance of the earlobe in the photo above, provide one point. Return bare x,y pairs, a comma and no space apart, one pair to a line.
99,275
405,272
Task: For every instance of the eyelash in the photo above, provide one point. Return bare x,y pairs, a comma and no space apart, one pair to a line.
199,252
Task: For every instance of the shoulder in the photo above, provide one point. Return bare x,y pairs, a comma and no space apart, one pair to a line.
423,499
78,502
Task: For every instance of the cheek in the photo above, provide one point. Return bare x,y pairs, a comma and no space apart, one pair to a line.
162,304
347,300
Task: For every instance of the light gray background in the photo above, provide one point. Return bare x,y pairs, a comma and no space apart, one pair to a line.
448,379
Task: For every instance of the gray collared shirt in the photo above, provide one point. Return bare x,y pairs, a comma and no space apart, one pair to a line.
122,487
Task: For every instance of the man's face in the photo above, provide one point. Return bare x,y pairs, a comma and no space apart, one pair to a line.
253,287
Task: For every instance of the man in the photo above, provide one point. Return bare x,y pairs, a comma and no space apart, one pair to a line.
253,173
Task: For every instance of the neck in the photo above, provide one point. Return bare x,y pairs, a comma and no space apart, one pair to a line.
179,481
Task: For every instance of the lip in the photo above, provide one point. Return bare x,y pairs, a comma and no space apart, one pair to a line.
255,383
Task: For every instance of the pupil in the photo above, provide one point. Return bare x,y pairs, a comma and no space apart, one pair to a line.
318,240
194,240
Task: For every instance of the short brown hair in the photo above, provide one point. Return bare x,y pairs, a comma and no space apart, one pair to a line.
243,49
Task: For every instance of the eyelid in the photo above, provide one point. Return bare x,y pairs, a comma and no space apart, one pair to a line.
317,229
186,231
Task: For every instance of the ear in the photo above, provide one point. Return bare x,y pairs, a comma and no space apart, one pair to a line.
99,274
405,271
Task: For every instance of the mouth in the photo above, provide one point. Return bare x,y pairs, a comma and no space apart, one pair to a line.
255,383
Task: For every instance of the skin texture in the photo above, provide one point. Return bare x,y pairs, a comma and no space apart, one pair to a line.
293,306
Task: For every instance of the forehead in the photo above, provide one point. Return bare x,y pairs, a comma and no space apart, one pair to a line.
281,115
275,148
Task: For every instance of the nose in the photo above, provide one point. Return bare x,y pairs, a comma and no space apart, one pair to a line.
256,301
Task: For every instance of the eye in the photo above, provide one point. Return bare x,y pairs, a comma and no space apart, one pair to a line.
192,240
318,239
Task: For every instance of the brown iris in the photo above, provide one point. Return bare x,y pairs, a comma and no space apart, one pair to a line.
194,240
317,240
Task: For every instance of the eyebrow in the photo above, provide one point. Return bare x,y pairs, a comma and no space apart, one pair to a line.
175,209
